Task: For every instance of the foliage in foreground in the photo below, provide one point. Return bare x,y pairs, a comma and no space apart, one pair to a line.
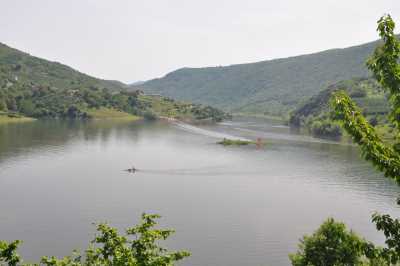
332,244
384,65
139,247
346,250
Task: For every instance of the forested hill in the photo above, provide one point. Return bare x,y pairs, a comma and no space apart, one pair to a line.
29,68
271,87
314,114
34,87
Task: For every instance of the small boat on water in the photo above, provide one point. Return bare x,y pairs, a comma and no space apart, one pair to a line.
131,170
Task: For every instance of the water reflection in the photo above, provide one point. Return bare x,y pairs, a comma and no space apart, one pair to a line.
229,205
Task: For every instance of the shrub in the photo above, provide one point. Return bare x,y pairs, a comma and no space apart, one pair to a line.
358,92
325,128
149,115
139,247
331,245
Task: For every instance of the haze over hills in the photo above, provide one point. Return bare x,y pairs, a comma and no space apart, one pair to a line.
136,83
272,87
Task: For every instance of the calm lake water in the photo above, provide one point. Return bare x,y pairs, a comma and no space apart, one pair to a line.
229,205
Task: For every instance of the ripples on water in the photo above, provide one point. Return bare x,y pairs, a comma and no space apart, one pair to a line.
229,205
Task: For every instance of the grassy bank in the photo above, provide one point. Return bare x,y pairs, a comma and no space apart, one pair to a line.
235,142
6,119
189,112
108,113
263,116
386,132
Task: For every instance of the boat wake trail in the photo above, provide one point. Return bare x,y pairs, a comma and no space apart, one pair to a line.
205,132
186,171
207,171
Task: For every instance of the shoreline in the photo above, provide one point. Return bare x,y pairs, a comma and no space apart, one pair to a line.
5,119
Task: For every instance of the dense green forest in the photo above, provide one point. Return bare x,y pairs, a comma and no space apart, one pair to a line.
272,87
33,87
314,114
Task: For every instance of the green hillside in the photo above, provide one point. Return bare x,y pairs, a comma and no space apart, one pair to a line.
314,114
27,68
270,87
34,87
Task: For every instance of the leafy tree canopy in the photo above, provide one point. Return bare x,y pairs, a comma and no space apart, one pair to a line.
138,247
331,245
384,63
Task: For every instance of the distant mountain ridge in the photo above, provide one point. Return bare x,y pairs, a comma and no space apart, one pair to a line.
136,83
272,87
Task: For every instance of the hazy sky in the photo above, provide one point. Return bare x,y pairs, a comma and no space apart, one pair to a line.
131,40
